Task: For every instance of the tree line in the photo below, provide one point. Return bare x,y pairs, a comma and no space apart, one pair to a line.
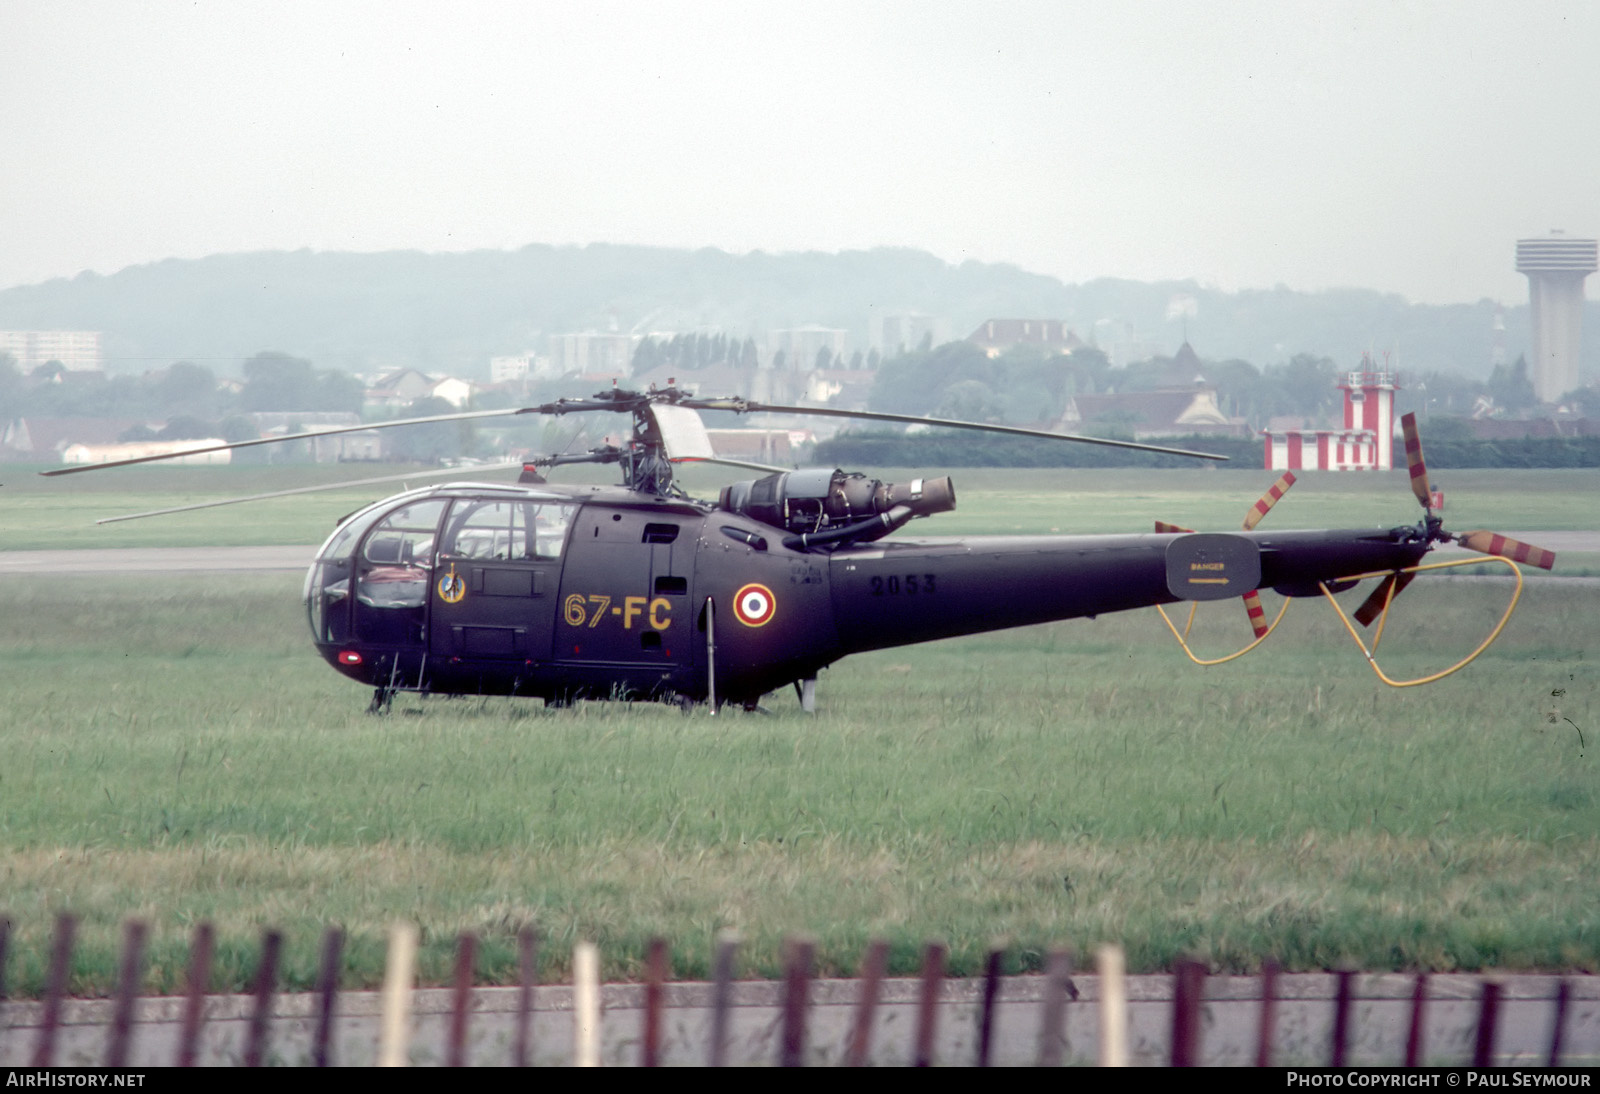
1028,386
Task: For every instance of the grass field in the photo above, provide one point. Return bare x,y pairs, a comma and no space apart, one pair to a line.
61,512
174,750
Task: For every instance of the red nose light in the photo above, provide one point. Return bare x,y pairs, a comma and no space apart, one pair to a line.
349,657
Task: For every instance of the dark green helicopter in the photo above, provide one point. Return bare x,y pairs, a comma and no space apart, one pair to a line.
639,590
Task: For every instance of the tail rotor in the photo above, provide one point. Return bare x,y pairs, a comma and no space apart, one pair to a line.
1484,542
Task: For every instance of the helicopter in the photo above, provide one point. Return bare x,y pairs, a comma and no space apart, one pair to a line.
639,590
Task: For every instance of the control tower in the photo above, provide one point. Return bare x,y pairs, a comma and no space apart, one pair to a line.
1556,265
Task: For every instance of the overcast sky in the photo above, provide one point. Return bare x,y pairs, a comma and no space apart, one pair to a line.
1399,146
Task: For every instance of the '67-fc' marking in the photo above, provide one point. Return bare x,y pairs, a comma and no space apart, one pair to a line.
754,605
579,609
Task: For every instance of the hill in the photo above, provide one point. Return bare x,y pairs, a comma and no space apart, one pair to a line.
451,312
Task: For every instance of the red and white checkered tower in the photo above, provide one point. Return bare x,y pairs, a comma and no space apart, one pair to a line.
1369,405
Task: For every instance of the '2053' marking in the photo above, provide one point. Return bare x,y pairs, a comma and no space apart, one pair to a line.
907,585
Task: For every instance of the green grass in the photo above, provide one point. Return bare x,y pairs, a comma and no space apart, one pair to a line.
174,750
61,512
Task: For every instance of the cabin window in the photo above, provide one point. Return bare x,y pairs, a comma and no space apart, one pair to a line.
493,529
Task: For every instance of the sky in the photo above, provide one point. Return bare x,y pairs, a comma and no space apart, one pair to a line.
1400,146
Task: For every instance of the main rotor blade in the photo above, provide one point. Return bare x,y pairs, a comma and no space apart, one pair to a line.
462,416
350,484
1264,504
742,406
1493,543
1414,462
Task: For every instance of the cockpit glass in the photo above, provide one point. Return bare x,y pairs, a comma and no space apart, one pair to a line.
397,556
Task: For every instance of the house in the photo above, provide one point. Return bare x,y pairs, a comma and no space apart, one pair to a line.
995,336
1183,403
45,439
1169,412
399,389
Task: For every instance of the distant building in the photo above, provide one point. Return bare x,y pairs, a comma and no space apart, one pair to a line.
79,350
995,336
456,392
590,352
405,386
1556,266
110,453
1185,402
510,370
902,332
365,444
1166,413
800,346
45,439
1366,443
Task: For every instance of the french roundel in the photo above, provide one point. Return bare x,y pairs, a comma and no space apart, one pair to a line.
754,605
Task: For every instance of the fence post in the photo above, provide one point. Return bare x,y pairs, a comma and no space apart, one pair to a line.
460,1015
991,989
398,976
133,934
261,1017
5,944
586,1004
870,982
197,979
55,987
1269,1012
1057,986
655,977
5,941
1341,1018
1558,1027
1488,1019
1188,983
721,998
1113,1007
327,996
527,978
928,1003
1419,1004
796,999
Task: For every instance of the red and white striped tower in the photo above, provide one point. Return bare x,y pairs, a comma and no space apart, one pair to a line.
1369,405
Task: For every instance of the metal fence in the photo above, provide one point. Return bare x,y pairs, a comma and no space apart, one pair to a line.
1060,1017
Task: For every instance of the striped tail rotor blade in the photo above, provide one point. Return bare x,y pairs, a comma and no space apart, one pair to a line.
1419,470
1165,529
1258,615
1264,504
1492,543
1373,606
